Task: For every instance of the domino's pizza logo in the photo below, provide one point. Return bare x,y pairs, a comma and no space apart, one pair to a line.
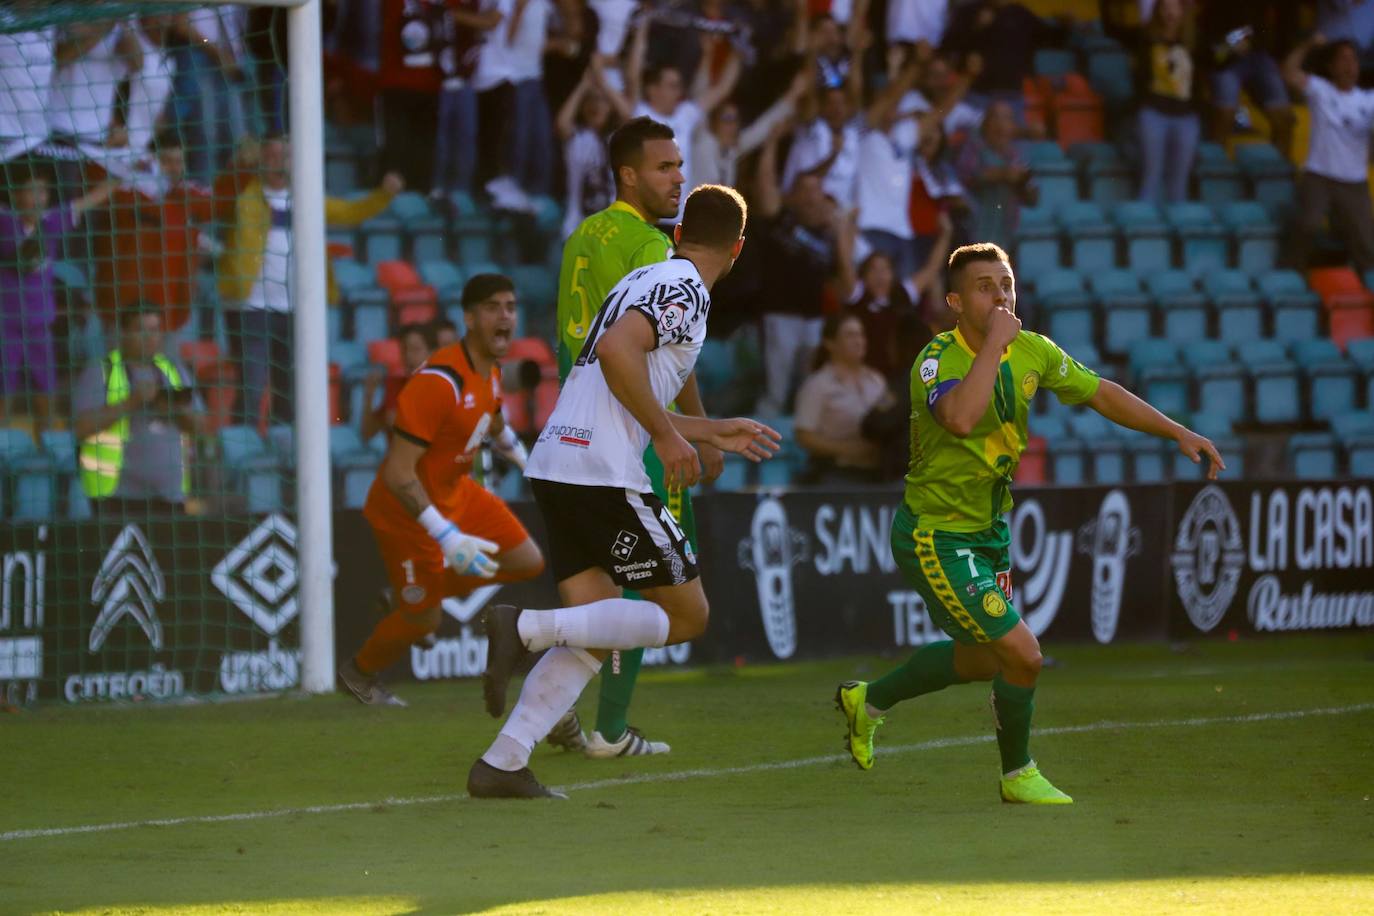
624,545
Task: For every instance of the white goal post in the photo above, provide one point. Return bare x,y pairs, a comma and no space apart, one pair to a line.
314,524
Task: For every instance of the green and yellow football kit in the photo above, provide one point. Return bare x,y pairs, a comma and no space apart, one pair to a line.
604,248
951,543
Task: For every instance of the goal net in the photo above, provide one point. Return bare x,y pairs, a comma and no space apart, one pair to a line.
150,361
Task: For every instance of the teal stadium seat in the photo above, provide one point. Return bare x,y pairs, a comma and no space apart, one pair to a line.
1111,74
1149,456
735,475
1067,305
1331,378
1217,427
1037,243
381,239
354,466
537,288
1312,456
1355,432
1294,308
1270,176
370,323
1105,451
1092,239
1055,174
1202,239
1053,62
1273,381
1148,246
1256,235
424,230
447,279
1103,172
252,467
1219,180
1160,377
1239,309
1361,353
1182,309
1219,382
1125,308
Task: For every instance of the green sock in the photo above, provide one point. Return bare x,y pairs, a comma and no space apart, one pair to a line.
929,669
617,686
1013,706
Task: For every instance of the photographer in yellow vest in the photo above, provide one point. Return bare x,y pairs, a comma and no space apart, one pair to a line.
136,414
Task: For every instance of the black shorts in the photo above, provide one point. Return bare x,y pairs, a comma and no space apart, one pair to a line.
632,536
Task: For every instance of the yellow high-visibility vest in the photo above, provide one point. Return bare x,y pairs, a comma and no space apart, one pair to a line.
102,455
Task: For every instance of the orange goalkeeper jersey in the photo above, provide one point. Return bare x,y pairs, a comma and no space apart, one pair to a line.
447,407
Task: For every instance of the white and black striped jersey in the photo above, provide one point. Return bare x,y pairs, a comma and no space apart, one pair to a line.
591,438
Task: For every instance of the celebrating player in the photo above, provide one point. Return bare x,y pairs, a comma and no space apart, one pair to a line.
607,531
970,390
424,509
604,248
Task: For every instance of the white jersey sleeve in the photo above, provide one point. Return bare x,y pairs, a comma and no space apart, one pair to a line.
591,438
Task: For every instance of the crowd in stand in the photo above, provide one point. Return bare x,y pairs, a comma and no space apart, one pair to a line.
870,137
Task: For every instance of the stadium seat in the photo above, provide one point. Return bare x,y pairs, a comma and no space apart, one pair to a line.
1349,306
1053,62
1078,115
394,276
424,229
281,440
1068,465
1355,432
1294,307
1312,456
381,239
1092,239
1125,309
1149,456
354,465
735,475
1202,239
1102,170
333,323
1219,180
1105,452
1148,248
1037,243
1162,380
1218,380
1269,173
1361,353
349,275
1182,309
1067,305
536,288
445,276
387,354
1239,309
1331,378
1111,74
1256,235
1273,381
1054,173
370,323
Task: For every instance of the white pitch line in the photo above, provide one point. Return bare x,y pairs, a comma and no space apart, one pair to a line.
680,775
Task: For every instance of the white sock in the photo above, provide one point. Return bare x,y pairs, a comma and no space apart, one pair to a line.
550,690
611,623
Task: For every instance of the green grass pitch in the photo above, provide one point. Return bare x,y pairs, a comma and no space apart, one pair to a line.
1230,777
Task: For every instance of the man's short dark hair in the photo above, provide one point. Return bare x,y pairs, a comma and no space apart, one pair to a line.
970,254
425,330
128,315
713,216
627,143
483,286
443,324
653,75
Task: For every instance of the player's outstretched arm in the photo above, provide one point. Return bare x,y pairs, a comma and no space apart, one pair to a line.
1125,409
623,353
741,435
689,403
465,554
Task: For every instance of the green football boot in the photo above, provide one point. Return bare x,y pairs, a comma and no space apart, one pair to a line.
851,699
1028,787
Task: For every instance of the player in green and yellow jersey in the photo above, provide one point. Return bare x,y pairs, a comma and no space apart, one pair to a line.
971,390
647,165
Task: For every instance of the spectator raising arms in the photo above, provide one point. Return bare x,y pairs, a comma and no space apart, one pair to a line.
1333,181
1239,37
833,402
585,122
886,304
31,234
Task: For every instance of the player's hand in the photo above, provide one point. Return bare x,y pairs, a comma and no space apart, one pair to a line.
468,555
746,437
681,466
1195,447
712,461
1003,327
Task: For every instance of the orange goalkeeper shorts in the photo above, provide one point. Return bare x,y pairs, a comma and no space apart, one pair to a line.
415,564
